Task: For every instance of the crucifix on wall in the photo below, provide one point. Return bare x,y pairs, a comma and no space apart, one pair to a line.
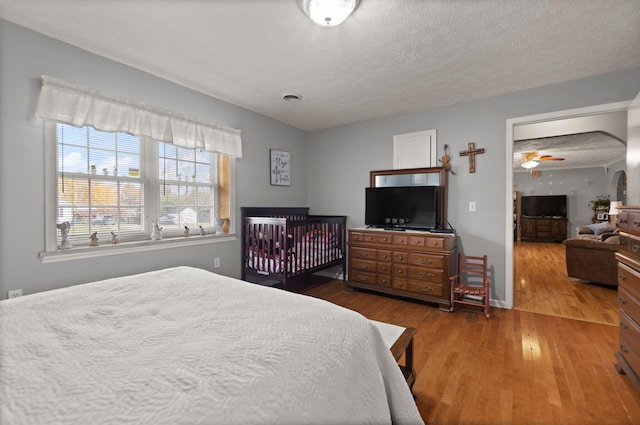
471,153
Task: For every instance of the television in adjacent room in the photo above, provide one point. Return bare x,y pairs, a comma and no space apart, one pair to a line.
544,206
403,207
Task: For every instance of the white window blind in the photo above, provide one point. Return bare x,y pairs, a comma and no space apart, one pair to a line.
184,189
99,184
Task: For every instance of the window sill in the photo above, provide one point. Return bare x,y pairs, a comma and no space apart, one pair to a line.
80,253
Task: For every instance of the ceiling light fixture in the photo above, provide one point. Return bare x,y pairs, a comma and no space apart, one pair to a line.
529,160
328,13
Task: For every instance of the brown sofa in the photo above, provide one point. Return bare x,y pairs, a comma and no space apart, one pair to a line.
593,260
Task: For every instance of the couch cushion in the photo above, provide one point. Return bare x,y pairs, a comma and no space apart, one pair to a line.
592,244
599,228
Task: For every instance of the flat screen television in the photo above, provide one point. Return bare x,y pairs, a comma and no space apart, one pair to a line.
409,207
544,206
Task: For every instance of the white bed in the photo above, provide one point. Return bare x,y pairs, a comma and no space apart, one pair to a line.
187,346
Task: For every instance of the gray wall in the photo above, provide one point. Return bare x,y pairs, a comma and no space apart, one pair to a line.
25,56
340,158
580,185
329,171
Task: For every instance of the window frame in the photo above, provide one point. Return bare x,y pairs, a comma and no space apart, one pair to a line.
130,243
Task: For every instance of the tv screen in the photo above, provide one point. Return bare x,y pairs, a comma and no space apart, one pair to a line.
544,206
411,207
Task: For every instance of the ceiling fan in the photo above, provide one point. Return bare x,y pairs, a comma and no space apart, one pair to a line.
531,160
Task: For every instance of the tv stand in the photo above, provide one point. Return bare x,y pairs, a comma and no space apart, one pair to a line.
410,264
543,229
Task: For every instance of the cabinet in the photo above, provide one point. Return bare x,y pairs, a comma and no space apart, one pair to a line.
543,229
628,354
410,264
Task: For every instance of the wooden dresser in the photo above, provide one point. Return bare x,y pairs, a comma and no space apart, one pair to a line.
628,258
405,263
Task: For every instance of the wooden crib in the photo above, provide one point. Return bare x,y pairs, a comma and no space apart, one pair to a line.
281,245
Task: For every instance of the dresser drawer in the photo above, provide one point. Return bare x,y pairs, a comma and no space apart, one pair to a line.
426,242
384,239
362,265
400,283
423,275
427,260
432,289
629,305
363,253
359,276
356,237
630,342
384,268
630,245
384,280
383,255
400,270
400,240
629,280
629,222
400,257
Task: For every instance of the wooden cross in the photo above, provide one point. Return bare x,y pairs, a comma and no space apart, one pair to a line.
471,153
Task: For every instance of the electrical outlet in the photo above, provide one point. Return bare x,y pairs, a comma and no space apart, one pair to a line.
14,294
216,262
472,206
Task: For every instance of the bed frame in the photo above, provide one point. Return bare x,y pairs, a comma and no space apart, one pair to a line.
284,245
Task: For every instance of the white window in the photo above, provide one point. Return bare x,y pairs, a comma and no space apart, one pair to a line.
117,167
115,182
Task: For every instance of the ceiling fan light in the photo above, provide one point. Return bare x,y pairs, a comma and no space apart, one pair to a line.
529,164
328,13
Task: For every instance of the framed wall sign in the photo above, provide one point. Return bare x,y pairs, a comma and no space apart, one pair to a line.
280,167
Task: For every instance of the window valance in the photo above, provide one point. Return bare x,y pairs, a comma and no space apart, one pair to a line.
79,106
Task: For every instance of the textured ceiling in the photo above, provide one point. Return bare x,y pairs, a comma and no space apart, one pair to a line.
390,57
586,150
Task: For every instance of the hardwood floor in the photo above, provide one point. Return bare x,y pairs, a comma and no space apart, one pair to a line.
542,286
555,366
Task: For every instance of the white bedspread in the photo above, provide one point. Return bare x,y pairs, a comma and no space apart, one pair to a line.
186,346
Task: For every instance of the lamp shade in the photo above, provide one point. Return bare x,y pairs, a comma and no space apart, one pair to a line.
613,207
328,13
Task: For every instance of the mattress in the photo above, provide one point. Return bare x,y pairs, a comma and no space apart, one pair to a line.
187,346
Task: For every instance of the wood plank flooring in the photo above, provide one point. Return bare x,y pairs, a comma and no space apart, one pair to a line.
519,366
542,286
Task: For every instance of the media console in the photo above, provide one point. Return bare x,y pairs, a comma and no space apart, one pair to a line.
543,229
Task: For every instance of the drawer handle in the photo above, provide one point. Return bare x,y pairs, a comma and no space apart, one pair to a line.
400,285
636,223
384,239
364,266
364,278
400,257
369,238
400,271
623,349
364,254
621,300
435,243
425,288
384,257
622,277
426,261
624,325
635,248
427,275
417,242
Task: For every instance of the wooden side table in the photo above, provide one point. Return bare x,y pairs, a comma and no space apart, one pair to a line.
400,341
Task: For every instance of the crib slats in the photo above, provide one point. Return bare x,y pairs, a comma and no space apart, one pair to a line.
278,249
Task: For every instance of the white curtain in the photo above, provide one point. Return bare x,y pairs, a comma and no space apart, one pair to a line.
79,106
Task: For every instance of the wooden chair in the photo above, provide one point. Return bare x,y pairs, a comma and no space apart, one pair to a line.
471,285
